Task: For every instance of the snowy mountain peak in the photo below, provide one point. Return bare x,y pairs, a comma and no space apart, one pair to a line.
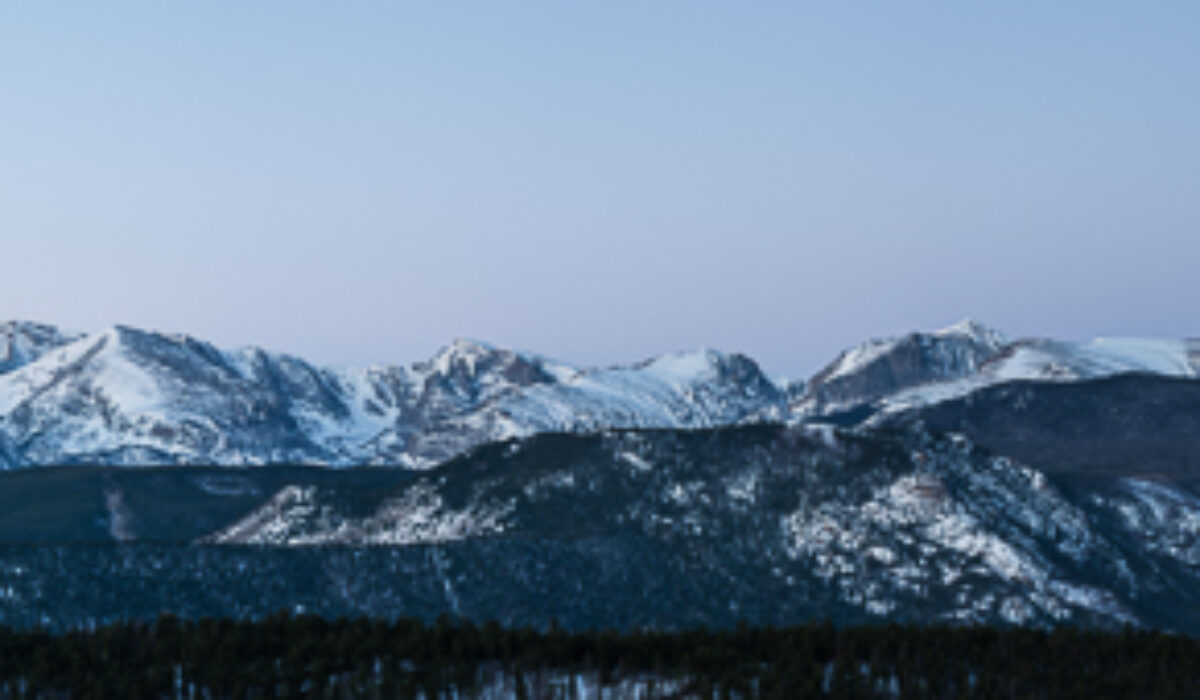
881,367
470,346
684,367
474,369
464,353
129,335
976,331
121,338
14,327
23,342
707,367
1046,360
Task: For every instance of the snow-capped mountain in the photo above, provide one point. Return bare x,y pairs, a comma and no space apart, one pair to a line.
23,342
125,396
883,367
131,397
1054,361
890,376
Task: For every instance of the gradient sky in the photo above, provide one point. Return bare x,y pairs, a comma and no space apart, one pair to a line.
361,182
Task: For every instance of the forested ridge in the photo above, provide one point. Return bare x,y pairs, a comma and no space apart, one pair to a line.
308,656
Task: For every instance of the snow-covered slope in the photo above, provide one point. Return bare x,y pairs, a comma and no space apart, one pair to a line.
693,390
22,342
1059,361
888,376
125,396
882,367
132,397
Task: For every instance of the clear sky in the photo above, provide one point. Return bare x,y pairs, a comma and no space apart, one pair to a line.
361,182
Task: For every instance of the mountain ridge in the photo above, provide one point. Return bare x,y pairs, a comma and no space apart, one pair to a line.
766,523
126,396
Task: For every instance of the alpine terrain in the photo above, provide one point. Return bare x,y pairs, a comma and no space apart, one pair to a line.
956,476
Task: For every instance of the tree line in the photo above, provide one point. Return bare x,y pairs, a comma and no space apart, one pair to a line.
286,655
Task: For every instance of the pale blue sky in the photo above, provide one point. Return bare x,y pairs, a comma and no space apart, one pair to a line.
359,182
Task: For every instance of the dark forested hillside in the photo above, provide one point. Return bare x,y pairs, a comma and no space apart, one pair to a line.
307,656
670,529
77,505
1133,425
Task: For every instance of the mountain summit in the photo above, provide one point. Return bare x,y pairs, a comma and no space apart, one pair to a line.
882,367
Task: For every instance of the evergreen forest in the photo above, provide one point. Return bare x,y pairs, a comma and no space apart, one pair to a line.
284,655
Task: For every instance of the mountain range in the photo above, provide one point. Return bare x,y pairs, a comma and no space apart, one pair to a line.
955,475
130,397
